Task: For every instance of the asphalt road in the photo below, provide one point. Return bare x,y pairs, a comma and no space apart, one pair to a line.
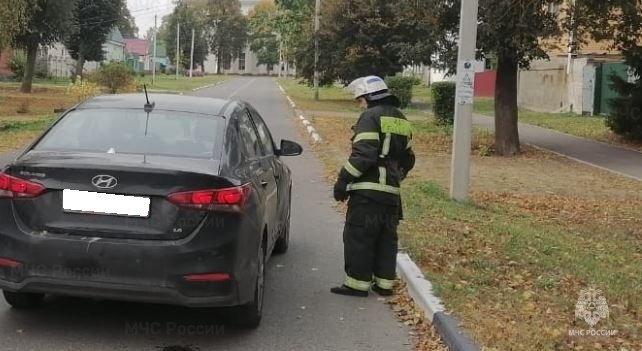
300,313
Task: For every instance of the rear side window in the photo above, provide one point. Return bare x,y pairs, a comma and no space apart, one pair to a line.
130,131
264,134
249,138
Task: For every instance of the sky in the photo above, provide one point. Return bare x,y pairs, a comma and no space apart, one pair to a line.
144,11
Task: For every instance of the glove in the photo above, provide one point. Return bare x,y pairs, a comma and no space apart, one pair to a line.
341,190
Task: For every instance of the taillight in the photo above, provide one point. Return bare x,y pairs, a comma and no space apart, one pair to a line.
213,199
207,278
12,187
5,262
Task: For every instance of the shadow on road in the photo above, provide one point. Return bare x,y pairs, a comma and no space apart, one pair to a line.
166,325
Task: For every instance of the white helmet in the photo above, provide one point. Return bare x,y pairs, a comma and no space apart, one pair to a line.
371,87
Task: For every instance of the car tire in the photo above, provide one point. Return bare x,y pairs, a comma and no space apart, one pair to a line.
283,242
23,301
249,316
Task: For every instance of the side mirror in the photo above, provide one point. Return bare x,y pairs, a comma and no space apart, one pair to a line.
290,148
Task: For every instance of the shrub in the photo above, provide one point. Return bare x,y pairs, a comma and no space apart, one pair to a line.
401,87
17,65
626,118
83,89
443,95
115,76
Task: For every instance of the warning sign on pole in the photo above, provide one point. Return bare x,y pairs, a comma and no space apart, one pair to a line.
466,83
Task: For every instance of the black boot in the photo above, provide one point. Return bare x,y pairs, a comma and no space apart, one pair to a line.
347,291
382,291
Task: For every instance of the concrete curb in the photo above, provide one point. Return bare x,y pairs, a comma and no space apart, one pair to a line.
420,289
307,124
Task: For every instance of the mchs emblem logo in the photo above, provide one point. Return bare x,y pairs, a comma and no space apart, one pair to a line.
591,306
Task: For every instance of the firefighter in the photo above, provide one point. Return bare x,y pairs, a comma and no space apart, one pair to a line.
381,158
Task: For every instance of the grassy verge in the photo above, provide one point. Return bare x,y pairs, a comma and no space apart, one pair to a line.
591,127
538,230
336,99
17,134
24,116
42,100
170,83
40,82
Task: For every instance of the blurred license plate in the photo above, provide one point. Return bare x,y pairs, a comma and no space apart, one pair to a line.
105,204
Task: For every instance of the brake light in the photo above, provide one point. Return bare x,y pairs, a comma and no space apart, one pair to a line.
12,187
214,199
209,277
5,262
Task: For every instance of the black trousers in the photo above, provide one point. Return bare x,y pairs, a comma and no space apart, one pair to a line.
370,243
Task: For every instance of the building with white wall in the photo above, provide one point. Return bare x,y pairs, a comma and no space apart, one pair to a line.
246,63
58,62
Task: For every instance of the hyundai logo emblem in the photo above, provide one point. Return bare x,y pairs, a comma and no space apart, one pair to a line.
104,181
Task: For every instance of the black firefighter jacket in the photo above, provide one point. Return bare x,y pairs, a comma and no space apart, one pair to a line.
381,155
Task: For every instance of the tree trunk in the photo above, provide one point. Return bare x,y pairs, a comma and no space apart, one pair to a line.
218,63
80,65
30,67
506,127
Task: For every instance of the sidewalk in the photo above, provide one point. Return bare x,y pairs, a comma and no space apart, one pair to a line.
601,155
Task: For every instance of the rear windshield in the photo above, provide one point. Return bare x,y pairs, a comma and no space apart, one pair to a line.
129,131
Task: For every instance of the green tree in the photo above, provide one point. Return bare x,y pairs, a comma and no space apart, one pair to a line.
416,31
364,37
127,22
48,21
262,24
294,23
227,29
13,20
93,21
191,16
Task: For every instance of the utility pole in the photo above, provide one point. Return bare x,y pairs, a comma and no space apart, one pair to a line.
317,25
191,59
178,47
154,57
460,170
571,40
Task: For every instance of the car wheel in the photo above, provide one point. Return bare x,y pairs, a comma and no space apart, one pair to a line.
283,242
250,315
23,301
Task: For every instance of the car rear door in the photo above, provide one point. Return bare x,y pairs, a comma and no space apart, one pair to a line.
277,165
267,178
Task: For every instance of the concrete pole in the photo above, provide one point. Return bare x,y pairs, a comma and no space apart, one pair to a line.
191,60
178,48
154,57
571,41
460,170
317,25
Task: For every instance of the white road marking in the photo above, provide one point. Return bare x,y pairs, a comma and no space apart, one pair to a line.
242,88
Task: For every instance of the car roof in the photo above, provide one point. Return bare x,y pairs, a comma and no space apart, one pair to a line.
167,102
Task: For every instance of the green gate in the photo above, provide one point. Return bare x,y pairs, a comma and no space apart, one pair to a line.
604,92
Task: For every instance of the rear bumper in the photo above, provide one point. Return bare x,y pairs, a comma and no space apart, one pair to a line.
111,291
129,270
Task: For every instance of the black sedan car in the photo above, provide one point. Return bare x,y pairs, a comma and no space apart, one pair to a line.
179,202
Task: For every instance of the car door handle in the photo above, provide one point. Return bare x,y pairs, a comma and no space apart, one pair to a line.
264,184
